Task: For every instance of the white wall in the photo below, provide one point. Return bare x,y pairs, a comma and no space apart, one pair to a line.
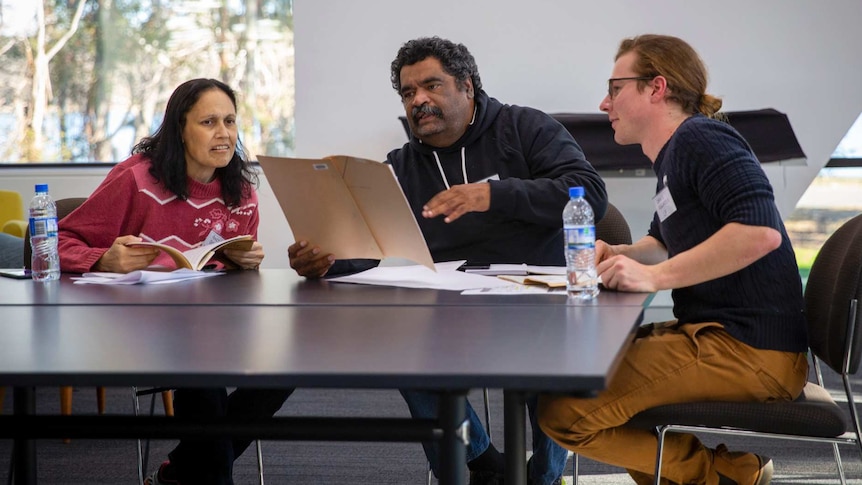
800,57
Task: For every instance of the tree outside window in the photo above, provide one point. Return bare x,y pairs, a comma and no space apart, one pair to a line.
84,80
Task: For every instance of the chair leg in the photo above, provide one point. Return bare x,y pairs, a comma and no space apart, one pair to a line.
2,396
259,462
575,469
100,400
660,431
140,451
168,402
66,400
818,373
839,464
487,413
854,414
66,404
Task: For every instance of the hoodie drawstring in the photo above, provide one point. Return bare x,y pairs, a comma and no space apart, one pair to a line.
463,167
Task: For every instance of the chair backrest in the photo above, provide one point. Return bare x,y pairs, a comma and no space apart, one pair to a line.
613,228
64,207
834,282
11,206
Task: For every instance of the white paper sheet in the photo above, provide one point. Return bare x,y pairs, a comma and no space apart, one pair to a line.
557,270
142,277
518,269
415,276
499,269
515,289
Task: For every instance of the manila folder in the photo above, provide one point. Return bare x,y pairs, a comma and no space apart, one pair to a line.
350,207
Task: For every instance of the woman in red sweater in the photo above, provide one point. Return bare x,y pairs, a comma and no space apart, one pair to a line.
187,184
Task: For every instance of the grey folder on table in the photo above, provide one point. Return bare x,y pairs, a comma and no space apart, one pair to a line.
351,207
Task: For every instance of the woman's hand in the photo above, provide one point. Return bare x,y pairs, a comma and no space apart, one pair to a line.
121,258
250,259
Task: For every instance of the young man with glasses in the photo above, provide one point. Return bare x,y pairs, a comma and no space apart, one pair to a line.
717,240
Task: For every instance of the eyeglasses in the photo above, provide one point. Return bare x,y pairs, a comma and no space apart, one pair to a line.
614,90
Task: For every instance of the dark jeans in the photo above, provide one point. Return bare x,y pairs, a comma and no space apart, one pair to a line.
546,465
211,460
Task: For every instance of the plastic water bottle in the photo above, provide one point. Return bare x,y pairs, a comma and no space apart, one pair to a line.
580,246
45,258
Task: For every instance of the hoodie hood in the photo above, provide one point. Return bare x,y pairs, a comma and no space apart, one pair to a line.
487,109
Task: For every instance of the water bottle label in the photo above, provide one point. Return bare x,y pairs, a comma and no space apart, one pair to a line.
43,226
580,236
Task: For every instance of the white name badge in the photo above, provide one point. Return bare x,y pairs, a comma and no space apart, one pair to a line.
213,237
664,204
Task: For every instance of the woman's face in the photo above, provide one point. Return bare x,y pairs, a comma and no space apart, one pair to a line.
209,135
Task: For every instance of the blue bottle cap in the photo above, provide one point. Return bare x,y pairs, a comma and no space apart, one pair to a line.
41,188
576,192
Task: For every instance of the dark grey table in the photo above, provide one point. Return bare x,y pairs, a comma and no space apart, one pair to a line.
275,330
270,287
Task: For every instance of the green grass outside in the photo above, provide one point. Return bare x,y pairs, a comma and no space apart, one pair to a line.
804,259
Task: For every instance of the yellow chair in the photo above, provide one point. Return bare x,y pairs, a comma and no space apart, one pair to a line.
12,218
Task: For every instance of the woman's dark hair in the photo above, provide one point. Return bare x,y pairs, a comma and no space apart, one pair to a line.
455,58
167,157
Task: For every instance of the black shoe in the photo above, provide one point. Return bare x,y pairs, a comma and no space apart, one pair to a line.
485,477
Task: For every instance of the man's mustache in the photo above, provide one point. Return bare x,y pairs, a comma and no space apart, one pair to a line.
428,110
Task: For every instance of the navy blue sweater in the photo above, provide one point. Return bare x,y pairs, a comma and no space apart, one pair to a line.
714,179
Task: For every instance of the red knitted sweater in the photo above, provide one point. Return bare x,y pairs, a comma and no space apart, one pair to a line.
130,202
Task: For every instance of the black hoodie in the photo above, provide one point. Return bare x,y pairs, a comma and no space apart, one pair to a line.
530,161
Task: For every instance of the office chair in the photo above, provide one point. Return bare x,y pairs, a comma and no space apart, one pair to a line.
832,296
12,218
612,228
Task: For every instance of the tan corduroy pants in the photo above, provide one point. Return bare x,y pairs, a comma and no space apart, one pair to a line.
672,364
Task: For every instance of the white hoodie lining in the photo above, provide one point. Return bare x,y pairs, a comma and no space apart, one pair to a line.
463,157
463,167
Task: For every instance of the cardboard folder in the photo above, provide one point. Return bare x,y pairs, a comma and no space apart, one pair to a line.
348,206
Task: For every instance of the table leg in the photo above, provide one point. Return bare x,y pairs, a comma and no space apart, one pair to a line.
515,436
24,450
453,456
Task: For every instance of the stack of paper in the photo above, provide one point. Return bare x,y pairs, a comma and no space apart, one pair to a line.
142,277
446,277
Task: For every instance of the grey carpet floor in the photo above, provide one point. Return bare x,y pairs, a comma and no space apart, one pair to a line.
113,462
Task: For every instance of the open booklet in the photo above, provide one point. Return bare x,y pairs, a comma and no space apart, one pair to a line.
350,207
197,258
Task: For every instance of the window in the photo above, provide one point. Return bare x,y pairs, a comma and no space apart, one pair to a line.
831,200
99,80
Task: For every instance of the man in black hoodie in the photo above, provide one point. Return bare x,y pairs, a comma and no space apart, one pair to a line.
487,183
